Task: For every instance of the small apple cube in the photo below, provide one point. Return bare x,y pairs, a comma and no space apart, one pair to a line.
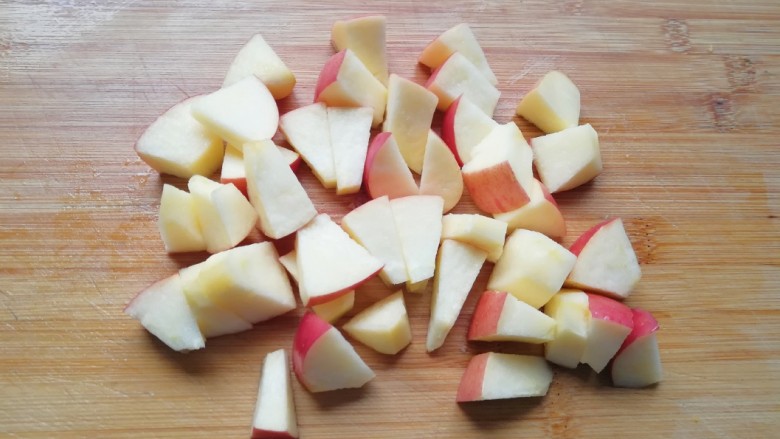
233,170
384,326
499,316
569,309
328,311
386,172
459,39
441,173
366,37
501,376
275,409
485,233
257,58
568,158
178,222
553,104
541,214
610,324
459,77
350,129
418,221
464,126
638,362
307,130
409,114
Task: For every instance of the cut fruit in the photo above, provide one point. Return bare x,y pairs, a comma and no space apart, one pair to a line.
457,269
178,222
610,324
323,359
418,221
177,144
257,58
541,214
163,310
569,309
568,158
233,170
532,267
282,204
243,112
307,130
464,127
460,39
386,173
384,326
553,104
606,262
275,410
499,316
440,173
458,77
346,82
501,376
350,129
328,311
330,263
409,114
480,231
366,37
638,363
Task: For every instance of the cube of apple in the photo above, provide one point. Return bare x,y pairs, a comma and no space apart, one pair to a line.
553,104
499,316
383,326
178,222
459,77
329,311
610,324
464,126
418,221
569,309
409,114
459,39
233,170
541,214
275,409
532,267
350,129
568,158
307,130
638,362
441,173
366,37
485,233
500,376
257,58
177,144
386,173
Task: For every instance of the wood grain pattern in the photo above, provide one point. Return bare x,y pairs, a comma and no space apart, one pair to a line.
684,95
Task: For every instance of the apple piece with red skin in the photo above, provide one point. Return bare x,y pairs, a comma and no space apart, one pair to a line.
323,360
541,214
233,170
499,316
440,173
638,362
606,262
328,311
610,323
501,376
386,172
461,39
463,127
366,36
570,310
458,76
274,415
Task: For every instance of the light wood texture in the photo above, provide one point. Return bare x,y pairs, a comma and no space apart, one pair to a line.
684,95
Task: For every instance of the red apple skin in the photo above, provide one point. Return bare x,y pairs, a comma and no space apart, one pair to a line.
239,183
484,322
448,129
482,186
311,328
582,241
319,300
268,434
373,149
604,308
470,388
329,73
644,325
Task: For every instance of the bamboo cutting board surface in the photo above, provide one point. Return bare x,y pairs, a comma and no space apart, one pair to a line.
684,95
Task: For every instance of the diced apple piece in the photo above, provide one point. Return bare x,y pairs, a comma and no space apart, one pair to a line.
372,225
384,326
541,214
553,104
499,316
350,129
568,158
500,376
243,112
163,310
418,221
328,311
569,309
459,77
282,204
346,82
386,173
366,37
409,114
441,173
275,409
500,174
330,263
177,144
532,267
323,359
480,231
178,222
456,270
257,58
606,262
460,39
610,324
464,126
307,130
233,170
638,362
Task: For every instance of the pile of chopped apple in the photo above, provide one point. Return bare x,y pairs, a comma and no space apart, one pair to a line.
538,291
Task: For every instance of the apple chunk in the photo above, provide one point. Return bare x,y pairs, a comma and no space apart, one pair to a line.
500,376
638,362
441,173
568,158
307,130
257,58
329,311
409,114
464,126
541,214
384,326
366,37
480,231
386,173
178,222
610,324
499,316
275,409
418,221
460,39
569,309
323,359
553,104
350,129
459,77
233,170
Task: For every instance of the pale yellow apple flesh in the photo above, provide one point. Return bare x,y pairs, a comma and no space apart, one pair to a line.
275,408
366,37
178,222
459,38
384,326
409,114
459,77
568,158
553,104
569,309
307,130
418,221
485,233
350,129
441,173
257,58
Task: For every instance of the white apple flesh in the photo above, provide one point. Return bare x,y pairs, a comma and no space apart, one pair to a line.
638,362
501,376
553,104
350,129
307,130
568,158
178,222
457,76
485,233
386,172
461,39
274,415
569,309
418,221
257,58
464,126
383,326
541,214
610,324
441,173
366,37
499,316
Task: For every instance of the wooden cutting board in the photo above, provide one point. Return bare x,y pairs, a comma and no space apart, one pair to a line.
684,95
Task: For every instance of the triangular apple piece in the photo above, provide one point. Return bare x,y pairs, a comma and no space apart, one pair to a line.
540,214
568,158
638,362
569,309
257,58
386,171
463,127
441,173
384,326
459,38
459,77
610,323
233,170
307,130
482,232
366,37
409,114
418,221
499,316
553,104
500,376
178,221
275,409
350,129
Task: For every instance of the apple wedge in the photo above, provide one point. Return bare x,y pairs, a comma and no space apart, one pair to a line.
484,233
568,158
459,77
460,39
464,126
553,104
328,311
163,310
233,170
418,221
610,324
501,376
275,408
177,144
456,270
532,267
441,173
499,316
383,326
282,204
606,262
350,129
541,214
307,130
330,263
346,82
569,309
323,360
257,58
500,173
638,362
366,37
243,112
409,114
178,222
386,173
